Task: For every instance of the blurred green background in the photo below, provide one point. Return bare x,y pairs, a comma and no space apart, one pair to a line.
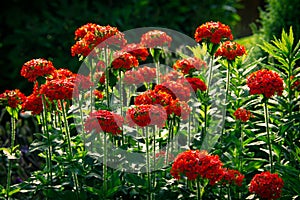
45,29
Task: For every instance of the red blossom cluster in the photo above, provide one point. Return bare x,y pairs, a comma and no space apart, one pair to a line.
90,35
12,98
189,65
213,32
136,50
104,121
266,185
175,89
195,164
155,39
230,50
124,61
172,76
295,83
153,97
141,75
242,114
265,82
178,108
146,115
98,94
35,68
196,83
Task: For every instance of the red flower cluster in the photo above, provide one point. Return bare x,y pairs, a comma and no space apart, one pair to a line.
178,108
230,50
155,39
189,65
91,35
197,164
175,89
37,68
58,89
33,102
196,83
232,176
265,82
124,61
60,74
172,76
242,114
266,185
12,98
136,50
98,94
213,32
104,121
146,115
295,83
153,97
142,75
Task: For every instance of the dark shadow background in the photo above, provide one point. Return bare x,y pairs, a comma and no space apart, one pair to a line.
45,29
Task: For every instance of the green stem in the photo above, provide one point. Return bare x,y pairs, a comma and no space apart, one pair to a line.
107,76
169,138
82,122
266,113
149,197
121,102
199,192
68,136
104,164
12,144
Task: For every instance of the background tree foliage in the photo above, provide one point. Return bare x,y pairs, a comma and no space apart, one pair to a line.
34,29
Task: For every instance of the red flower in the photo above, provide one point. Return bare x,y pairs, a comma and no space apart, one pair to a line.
152,97
155,39
58,89
98,94
33,103
61,74
295,83
196,83
124,61
230,50
12,98
142,75
91,35
265,82
175,89
197,164
161,156
213,32
36,68
136,50
173,76
242,114
104,121
178,108
233,176
146,115
266,185
188,65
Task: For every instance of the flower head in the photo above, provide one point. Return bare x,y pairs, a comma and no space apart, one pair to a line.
232,176
175,89
146,115
196,83
213,32
139,76
155,39
12,98
58,89
266,185
188,65
242,114
124,61
230,50
35,68
197,164
152,97
104,121
265,82
178,108
136,50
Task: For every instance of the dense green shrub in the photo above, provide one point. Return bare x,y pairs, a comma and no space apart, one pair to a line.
46,28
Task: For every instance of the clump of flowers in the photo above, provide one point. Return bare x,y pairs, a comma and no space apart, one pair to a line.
178,108
155,39
12,98
189,65
146,115
139,76
104,121
266,185
195,164
90,35
230,50
196,83
33,102
58,89
35,68
213,32
265,82
136,50
153,97
232,176
242,114
172,76
124,61
175,89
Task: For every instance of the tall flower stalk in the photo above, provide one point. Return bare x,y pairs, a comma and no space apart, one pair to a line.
269,143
